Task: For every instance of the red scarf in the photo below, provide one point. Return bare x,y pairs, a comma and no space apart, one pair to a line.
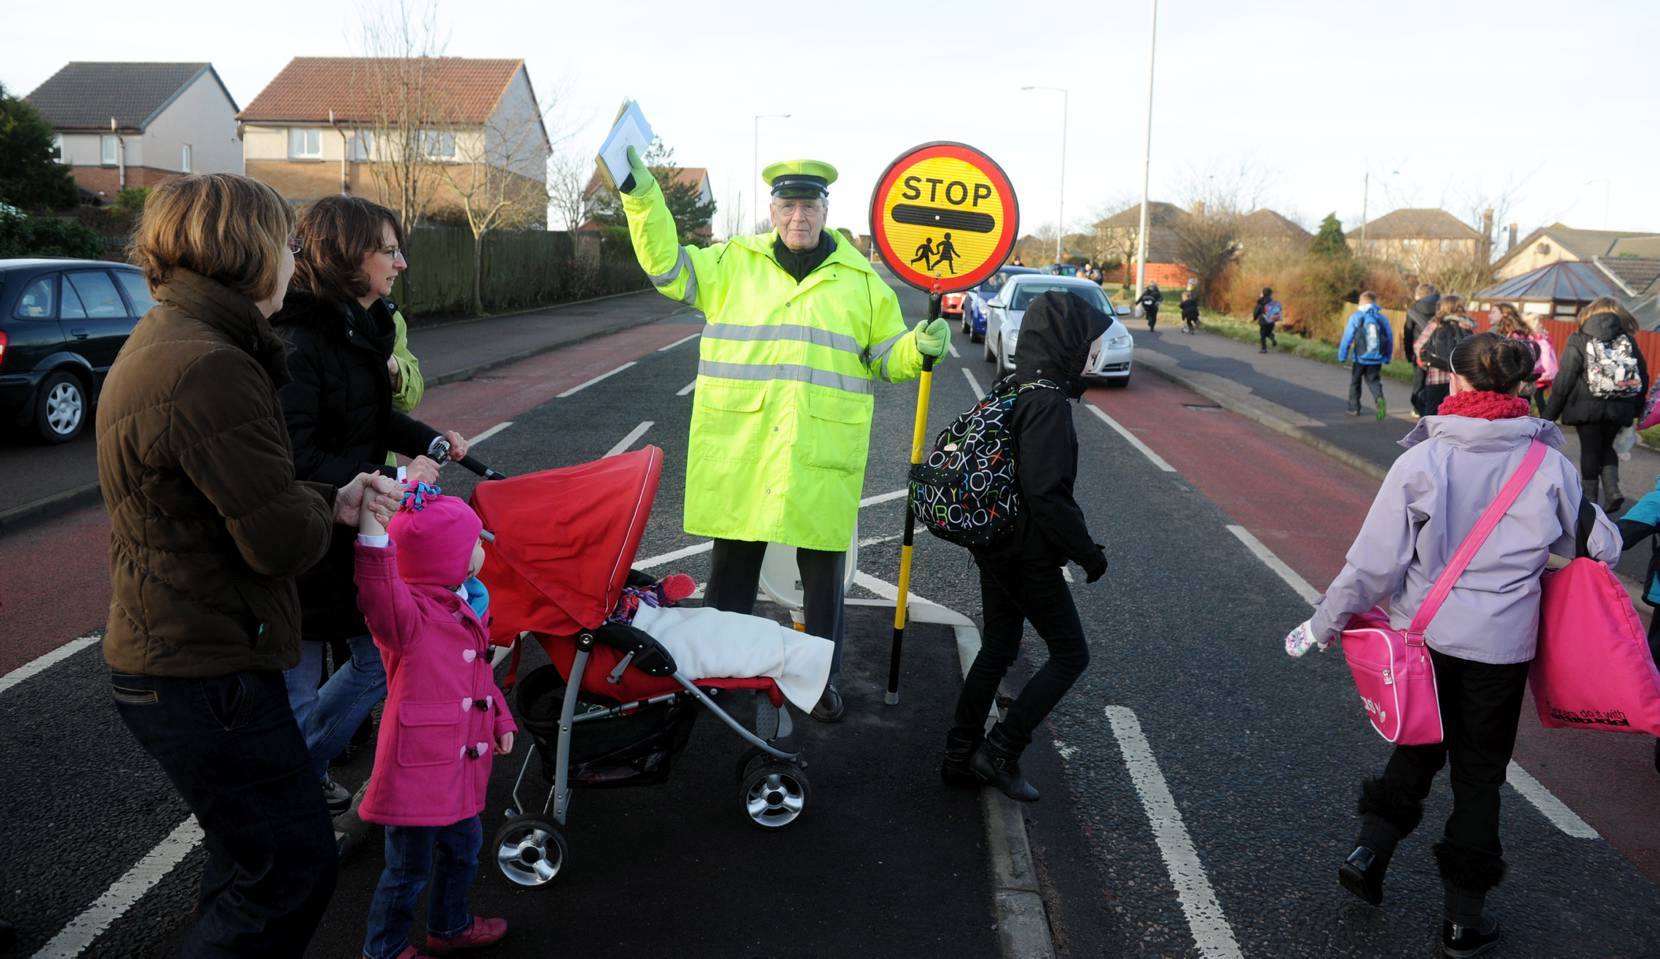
1484,405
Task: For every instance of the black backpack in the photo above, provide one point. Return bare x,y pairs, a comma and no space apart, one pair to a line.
1437,351
965,491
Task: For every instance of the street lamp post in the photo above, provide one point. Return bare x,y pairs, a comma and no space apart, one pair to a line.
755,165
1146,157
1365,194
1060,212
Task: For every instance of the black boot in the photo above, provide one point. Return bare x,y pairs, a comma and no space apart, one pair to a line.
1466,877
960,746
997,762
1461,942
1612,500
1387,815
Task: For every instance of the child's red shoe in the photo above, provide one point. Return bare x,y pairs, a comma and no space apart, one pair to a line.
484,931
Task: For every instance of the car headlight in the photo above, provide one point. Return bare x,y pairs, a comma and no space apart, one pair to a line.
1120,342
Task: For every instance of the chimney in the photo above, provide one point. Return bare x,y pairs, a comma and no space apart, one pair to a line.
1512,244
1487,237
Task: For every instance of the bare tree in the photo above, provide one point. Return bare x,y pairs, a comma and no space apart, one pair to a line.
1236,188
568,176
410,130
497,180
1207,245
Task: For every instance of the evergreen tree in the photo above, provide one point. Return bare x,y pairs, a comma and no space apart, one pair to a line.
691,217
30,175
1329,242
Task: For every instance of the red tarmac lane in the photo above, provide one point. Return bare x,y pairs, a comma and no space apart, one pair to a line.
56,583
1307,508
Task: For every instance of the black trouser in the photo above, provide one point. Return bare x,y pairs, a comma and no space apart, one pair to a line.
1191,322
1418,384
232,749
1152,313
1596,448
735,575
1265,335
1372,374
1540,395
1011,596
1432,397
1481,704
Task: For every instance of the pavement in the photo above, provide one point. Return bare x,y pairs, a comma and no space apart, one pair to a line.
1307,400
46,481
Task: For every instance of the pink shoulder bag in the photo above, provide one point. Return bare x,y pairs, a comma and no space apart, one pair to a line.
1393,672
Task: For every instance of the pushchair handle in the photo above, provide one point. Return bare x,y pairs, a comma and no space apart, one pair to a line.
439,449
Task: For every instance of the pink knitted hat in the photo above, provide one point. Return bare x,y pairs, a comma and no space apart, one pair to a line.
435,536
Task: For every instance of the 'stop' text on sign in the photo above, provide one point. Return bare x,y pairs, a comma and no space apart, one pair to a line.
944,217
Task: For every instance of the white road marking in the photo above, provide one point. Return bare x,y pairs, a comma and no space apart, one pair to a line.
953,348
669,557
874,540
45,662
1211,932
1298,584
1546,802
684,390
628,440
583,386
492,431
972,382
1132,438
882,498
684,339
1066,750
74,938
1066,574
888,590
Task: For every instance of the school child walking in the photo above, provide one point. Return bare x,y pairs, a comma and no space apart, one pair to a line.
444,717
1485,634
1190,309
1267,313
1020,577
1368,339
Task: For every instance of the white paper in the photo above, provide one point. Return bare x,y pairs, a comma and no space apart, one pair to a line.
630,130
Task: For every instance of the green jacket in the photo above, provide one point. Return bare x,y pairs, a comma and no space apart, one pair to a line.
785,383
407,386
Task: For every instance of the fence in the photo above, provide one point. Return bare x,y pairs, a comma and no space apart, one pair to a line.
520,269
1647,342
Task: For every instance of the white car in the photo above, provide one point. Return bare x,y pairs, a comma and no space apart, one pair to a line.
1110,357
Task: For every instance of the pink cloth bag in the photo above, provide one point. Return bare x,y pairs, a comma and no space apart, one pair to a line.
1593,669
1392,670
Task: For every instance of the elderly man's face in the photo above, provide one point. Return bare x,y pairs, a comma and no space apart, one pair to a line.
798,220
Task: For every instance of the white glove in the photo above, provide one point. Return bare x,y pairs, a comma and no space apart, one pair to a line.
1302,639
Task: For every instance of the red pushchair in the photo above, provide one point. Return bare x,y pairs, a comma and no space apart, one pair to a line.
610,709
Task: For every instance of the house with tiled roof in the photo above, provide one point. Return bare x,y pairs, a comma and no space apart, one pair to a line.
357,125
1560,243
1417,240
122,125
1116,237
599,198
1265,227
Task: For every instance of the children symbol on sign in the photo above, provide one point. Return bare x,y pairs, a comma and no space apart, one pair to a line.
947,254
925,253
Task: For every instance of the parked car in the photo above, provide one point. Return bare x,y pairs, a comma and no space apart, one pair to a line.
1061,269
974,300
1111,356
61,324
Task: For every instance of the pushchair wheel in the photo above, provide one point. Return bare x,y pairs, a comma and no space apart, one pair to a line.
530,851
773,793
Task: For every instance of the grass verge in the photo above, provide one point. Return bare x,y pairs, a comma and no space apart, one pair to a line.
1246,332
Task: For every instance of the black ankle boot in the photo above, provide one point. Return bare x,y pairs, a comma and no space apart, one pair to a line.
997,762
960,745
1362,874
1463,942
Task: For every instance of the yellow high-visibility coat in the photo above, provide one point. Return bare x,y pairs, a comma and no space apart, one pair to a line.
785,382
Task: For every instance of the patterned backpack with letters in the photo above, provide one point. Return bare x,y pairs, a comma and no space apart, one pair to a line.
965,491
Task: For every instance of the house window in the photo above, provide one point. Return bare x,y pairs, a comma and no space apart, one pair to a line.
106,149
363,146
1544,249
305,143
57,147
437,145
184,159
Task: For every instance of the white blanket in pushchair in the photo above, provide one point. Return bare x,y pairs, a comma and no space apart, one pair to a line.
714,644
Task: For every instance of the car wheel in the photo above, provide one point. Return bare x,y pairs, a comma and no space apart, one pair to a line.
1119,383
61,408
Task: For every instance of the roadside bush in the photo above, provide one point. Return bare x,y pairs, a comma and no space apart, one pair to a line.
24,235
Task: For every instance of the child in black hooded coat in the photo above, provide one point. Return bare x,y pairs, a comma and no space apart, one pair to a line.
1020,578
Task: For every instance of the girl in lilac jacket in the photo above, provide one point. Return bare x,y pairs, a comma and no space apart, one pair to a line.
444,717
1482,639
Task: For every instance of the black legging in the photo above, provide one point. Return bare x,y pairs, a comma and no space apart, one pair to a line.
1596,448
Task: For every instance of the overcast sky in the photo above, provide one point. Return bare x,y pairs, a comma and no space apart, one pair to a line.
1555,104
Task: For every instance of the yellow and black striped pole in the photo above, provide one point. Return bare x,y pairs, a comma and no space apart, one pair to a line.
919,433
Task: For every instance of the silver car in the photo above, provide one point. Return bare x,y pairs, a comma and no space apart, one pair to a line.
1110,357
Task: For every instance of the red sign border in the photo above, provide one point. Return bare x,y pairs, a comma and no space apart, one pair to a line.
959,151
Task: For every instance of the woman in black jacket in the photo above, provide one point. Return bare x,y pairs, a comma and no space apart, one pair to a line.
339,333
1020,579
1575,399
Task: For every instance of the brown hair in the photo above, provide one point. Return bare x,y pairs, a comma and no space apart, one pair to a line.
1510,320
226,227
1425,289
1492,362
1369,297
1607,304
335,234
1451,305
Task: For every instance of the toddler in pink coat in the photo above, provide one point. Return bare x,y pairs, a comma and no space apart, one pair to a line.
444,717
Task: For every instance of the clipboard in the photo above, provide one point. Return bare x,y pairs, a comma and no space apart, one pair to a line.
629,130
